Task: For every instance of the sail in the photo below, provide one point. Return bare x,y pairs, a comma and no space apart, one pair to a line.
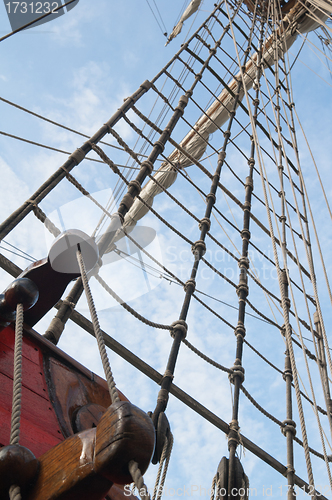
190,10
194,144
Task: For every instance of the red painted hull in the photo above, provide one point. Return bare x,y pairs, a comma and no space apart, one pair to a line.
46,413
39,425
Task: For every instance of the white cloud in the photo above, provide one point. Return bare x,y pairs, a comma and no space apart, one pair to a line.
82,91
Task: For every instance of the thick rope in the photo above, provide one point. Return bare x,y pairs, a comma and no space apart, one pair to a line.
17,381
15,491
46,221
157,325
98,334
138,480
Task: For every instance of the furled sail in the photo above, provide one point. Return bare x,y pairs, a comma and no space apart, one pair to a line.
190,10
194,144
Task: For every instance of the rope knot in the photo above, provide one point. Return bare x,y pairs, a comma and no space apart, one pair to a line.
199,247
212,196
135,184
67,302
148,165
179,325
236,371
190,285
240,329
288,425
245,234
222,156
242,288
160,145
244,262
205,221
234,433
33,202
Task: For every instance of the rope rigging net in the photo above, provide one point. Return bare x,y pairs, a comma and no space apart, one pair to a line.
231,166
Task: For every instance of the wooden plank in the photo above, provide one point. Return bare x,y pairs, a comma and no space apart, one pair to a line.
67,471
32,436
32,374
34,407
29,350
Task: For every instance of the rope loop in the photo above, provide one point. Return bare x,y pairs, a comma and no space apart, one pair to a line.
205,221
236,371
288,425
190,285
179,325
234,433
199,247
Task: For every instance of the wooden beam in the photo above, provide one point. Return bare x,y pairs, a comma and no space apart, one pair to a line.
67,471
88,463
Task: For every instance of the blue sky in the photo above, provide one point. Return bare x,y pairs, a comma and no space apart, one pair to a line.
77,71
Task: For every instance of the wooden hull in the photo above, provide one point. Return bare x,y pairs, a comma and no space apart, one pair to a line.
59,396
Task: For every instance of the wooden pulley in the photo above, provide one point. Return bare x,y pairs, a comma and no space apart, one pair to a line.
131,436
87,417
240,486
162,432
